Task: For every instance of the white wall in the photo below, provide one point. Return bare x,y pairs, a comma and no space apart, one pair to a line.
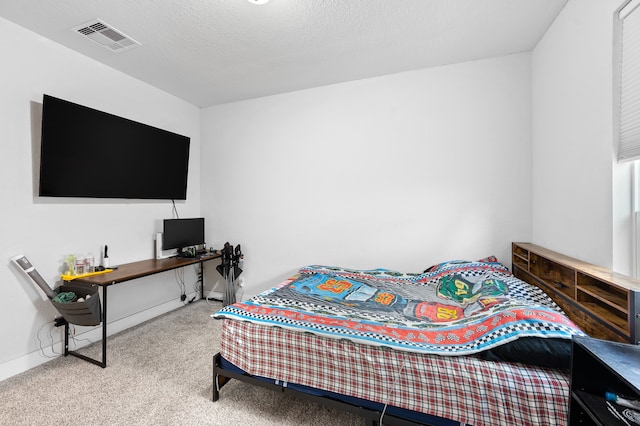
400,171
45,230
573,166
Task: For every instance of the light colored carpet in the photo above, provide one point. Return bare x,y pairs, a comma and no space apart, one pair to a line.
158,373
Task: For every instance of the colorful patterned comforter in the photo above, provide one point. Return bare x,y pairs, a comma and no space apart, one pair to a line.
453,308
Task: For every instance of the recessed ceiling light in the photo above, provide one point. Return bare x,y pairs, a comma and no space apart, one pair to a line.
258,1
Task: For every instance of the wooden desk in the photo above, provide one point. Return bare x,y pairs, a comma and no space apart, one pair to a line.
128,272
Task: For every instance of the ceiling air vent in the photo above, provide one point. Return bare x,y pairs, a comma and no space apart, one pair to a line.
106,36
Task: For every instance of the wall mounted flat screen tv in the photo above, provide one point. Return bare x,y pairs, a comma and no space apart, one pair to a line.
93,154
181,233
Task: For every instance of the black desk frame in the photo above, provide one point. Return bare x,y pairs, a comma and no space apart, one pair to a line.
127,272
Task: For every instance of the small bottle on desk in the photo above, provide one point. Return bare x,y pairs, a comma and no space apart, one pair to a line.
105,257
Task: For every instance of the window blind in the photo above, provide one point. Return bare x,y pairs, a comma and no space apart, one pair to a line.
628,117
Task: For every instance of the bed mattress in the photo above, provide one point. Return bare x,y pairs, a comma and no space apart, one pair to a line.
462,388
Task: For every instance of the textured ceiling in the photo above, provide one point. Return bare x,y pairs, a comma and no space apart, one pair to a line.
209,52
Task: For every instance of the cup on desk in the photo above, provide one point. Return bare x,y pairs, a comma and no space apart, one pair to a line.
70,260
89,264
80,265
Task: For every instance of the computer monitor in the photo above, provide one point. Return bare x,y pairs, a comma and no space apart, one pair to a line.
181,233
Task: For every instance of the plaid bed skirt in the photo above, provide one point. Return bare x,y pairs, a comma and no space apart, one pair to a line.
462,388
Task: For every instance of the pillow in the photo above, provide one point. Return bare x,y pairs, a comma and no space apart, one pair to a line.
542,352
452,263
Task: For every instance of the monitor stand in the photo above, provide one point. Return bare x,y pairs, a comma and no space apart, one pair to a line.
187,252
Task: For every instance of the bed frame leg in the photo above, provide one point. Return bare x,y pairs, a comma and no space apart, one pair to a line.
218,380
216,392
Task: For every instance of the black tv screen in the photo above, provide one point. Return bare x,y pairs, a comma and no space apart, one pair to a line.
90,153
181,233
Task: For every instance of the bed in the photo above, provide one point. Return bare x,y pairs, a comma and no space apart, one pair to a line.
463,342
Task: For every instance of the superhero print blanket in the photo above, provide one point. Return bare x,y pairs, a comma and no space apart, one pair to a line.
453,308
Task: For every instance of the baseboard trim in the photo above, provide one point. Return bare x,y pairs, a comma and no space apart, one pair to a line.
31,360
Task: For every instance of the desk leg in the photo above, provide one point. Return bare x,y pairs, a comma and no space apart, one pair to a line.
104,326
201,279
102,363
66,338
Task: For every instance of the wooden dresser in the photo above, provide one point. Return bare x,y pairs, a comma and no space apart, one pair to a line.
605,304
